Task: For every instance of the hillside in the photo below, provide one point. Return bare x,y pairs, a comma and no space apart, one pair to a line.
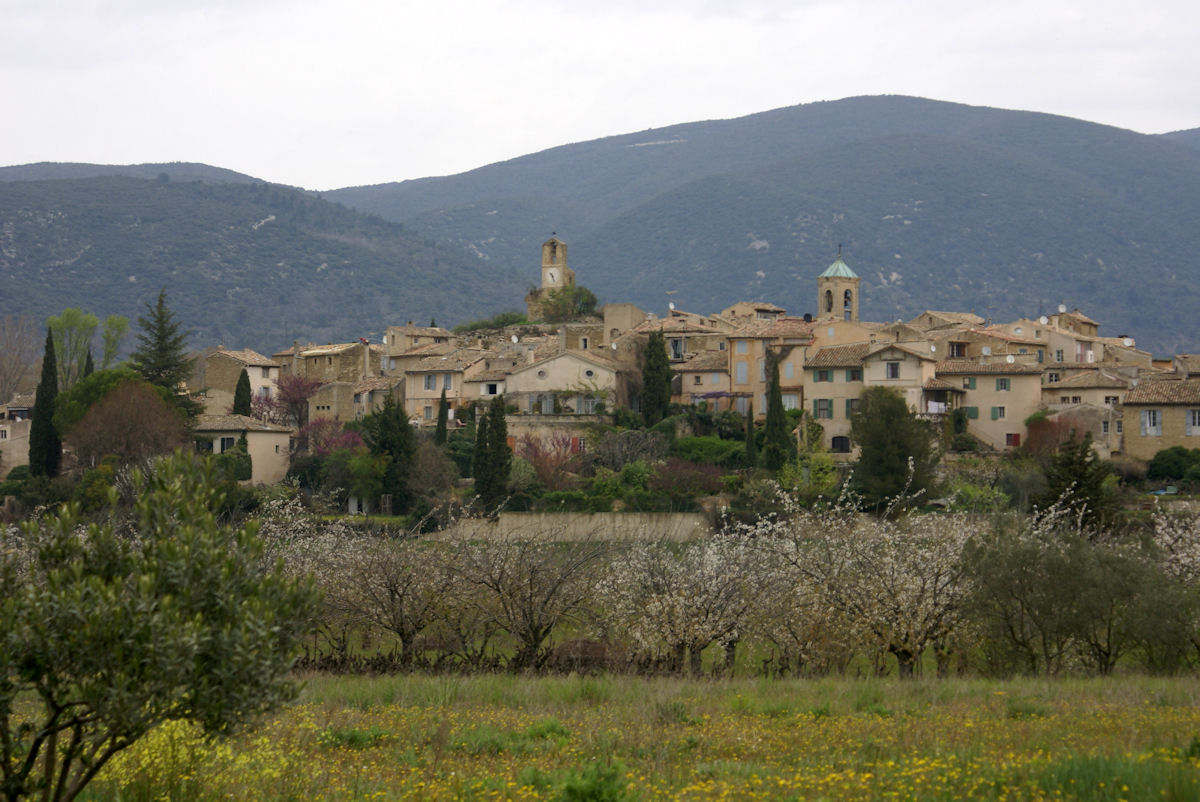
939,205
243,264
175,171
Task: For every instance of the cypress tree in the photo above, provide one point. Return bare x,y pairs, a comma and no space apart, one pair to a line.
439,434
387,432
480,466
241,395
779,446
656,380
751,446
499,455
89,367
45,447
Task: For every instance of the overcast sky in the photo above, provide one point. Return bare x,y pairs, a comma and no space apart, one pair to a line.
332,94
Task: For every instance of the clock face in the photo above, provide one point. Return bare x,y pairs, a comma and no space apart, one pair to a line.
550,275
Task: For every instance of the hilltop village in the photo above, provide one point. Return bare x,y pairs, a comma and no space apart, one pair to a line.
557,379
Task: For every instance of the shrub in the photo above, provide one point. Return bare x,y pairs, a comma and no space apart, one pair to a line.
709,450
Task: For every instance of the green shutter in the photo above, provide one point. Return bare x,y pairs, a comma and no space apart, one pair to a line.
816,406
849,407
972,413
995,413
970,382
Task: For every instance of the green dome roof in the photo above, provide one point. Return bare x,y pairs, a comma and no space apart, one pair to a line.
839,269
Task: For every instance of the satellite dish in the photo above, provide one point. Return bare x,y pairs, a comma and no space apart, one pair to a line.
932,348
613,346
1043,320
1018,330
987,350
1128,342
671,305
1062,308
1010,359
514,339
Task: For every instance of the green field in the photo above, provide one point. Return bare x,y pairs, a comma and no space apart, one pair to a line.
607,737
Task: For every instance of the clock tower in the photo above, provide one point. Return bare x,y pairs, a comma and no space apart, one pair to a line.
555,273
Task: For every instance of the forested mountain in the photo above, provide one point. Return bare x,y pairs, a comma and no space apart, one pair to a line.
174,171
938,205
244,264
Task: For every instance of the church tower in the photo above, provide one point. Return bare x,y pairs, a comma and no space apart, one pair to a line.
555,273
837,292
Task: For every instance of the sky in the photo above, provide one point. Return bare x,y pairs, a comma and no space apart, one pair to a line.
331,94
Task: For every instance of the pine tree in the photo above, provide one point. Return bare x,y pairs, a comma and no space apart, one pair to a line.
779,446
896,454
439,434
751,446
241,395
1078,479
656,380
45,447
387,432
160,356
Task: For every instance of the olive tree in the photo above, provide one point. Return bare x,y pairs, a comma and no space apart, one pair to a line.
108,630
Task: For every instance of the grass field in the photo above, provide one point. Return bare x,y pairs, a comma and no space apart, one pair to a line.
577,738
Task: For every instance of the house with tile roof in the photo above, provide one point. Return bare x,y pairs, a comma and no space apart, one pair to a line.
833,384
215,376
1159,413
996,394
269,444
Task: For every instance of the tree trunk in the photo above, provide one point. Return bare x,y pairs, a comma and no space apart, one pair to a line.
905,660
695,653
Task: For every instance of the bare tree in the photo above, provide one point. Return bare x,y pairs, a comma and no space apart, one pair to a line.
531,586
19,348
132,422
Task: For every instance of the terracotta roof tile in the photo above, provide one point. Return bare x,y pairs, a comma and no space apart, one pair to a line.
839,356
970,367
1165,391
235,423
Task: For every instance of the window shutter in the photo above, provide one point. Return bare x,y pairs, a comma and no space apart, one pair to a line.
972,413
816,406
1145,421
995,413
1187,422
850,410
971,383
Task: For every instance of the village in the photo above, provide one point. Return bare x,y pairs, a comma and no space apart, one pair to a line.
558,379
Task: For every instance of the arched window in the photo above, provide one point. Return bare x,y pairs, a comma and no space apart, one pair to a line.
828,301
841,445
848,304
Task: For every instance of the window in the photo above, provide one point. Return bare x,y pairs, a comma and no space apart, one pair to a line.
968,382
1064,399
541,374
972,413
583,343
1104,427
822,407
3,434
1076,399
1112,400
762,370
589,373
1051,378
1058,355
1192,421
853,374
893,370
851,406
788,372
1041,356
823,376
958,350
742,404
791,401
1120,426
227,443
997,413
675,345
1012,440
715,378
1003,385
492,388
266,373
840,445
742,347
447,380
721,345
1151,423
428,413
742,373
430,381
696,379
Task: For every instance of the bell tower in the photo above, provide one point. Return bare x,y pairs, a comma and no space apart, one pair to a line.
837,292
555,273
